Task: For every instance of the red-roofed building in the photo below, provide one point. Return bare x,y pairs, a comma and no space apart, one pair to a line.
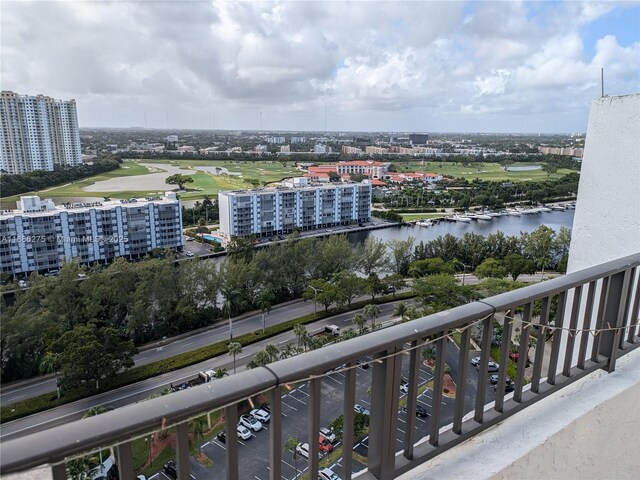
378,183
370,168
412,177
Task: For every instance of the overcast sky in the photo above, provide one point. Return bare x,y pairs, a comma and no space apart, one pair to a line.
414,66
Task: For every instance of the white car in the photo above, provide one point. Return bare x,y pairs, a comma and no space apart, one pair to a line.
475,361
404,387
250,422
327,474
302,449
243,432
82,275
328,434
261,415
22,283
189,254
360,409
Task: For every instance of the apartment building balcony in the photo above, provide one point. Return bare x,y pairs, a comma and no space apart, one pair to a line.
580,391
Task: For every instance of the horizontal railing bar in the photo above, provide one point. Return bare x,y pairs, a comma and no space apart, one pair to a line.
54,445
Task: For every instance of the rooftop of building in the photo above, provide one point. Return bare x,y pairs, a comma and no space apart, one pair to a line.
315,186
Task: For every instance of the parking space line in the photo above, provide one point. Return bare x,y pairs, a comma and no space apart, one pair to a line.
400,430
297,399
219,444
301,391
285,403
403,421
364,401
331,378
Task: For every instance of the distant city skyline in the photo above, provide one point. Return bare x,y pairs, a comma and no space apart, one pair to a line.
503,67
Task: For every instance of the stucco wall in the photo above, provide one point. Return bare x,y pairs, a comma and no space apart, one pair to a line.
606,225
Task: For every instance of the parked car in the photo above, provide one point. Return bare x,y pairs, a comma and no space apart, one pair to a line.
324,445
475,361
362,364
22,283
189,254
493,378
170,469
243,432
250,422
404,385
189,239
52,273
266,407
328,434
327,474
260,415
360,409
420,411
82,275
302,449
509,386
222,436
492,366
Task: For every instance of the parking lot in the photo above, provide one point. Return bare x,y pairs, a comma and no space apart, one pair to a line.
253,453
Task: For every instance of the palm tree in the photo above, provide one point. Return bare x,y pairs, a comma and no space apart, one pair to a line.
220,372
291,444
401,311
230,305
301,333
359,321
288,351
371,311
264,301
235,348
49,364
198,425
206,203
272,351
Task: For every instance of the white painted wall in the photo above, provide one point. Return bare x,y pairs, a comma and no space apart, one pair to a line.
606,225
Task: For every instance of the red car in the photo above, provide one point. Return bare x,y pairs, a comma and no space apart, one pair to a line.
324,445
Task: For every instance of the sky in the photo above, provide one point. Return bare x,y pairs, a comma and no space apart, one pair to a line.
453,66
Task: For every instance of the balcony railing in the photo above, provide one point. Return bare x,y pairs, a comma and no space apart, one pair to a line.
595,322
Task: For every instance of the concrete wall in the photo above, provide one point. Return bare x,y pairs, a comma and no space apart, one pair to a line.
607,219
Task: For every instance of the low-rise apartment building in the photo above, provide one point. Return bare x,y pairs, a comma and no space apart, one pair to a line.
272,211
40,236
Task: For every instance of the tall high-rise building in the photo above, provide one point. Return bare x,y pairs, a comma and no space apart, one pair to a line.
37,133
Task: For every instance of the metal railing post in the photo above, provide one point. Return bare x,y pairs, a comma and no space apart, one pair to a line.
385,388
613,317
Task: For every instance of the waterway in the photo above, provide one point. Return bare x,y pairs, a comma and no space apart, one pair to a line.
509,225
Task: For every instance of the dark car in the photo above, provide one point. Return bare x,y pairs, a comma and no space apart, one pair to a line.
266,407
509,386
362,364
222,436
420,411
170,469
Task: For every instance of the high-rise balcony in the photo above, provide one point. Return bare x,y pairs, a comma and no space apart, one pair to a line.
581,325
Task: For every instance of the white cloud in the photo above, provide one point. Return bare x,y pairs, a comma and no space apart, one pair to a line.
378,65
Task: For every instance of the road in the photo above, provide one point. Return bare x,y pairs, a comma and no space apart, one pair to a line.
141,390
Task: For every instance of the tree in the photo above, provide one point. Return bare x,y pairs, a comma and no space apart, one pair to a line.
235,348
360,321
374,286
515,265
272,351
230,305
220,372
396,281
349,286
301,334
264,301
179,179
371,311
290,445
198,427
505,164
401,253
87,354
334,177
49,364
401,311
373,256
430,266
439,292
288,351
491,268
550,168
322,292
538,245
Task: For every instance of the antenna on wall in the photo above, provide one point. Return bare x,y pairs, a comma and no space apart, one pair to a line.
602,80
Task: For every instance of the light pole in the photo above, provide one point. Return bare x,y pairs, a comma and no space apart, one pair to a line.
464,271
315,297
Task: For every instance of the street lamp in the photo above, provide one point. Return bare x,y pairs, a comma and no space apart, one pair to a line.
315,296
464,271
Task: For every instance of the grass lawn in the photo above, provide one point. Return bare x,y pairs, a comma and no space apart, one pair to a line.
167,454
489,171
204,183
